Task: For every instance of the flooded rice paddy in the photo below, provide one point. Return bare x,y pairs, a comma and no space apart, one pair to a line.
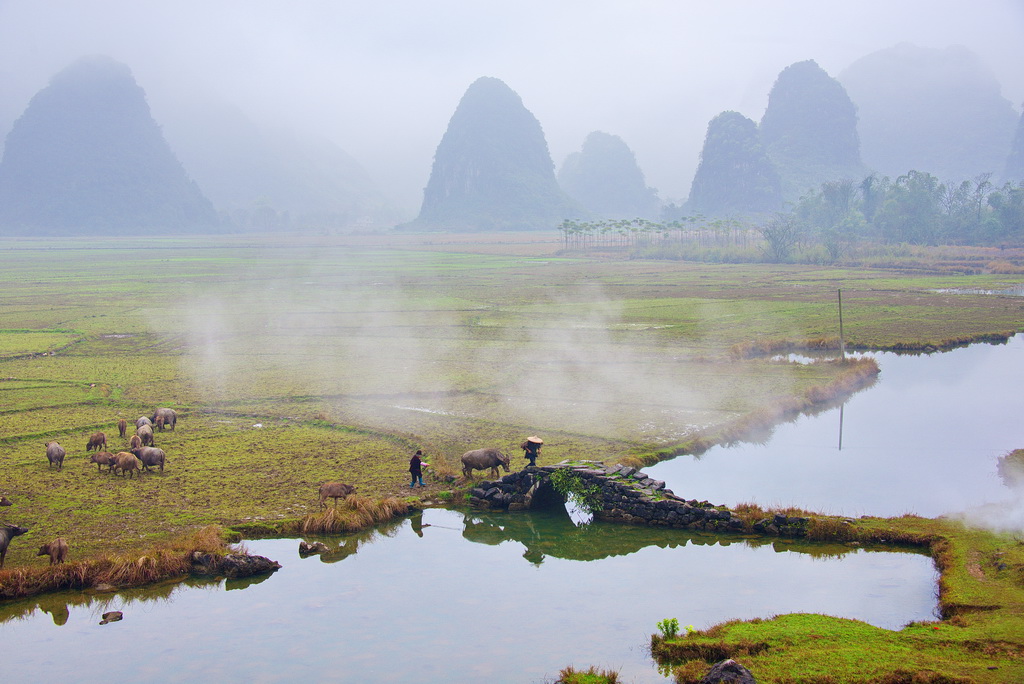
448,596
924,439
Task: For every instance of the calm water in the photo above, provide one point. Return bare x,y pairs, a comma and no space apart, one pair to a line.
924,439
448,597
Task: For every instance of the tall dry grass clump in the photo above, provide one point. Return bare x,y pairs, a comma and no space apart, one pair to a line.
165,561
355,513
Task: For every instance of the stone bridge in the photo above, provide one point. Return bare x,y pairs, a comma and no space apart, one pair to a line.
627,495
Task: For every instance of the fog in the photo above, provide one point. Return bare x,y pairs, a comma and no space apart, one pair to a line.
382,79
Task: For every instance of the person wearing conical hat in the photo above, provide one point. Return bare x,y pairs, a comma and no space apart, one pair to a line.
531,449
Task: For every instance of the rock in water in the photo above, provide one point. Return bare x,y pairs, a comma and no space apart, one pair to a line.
112,616
86,157
492,169
728,671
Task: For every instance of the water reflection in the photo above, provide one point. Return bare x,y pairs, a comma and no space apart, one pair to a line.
457,596
925,439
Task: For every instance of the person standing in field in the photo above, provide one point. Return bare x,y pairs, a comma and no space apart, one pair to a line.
531,449
416,464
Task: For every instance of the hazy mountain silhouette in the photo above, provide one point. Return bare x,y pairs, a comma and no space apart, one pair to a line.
1014,170
735,175
603,177
267,179
492,169
934,110
87,157
809,130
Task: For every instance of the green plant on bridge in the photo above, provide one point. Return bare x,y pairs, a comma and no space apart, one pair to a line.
571,486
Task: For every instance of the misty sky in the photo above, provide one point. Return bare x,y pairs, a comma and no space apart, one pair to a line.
382,79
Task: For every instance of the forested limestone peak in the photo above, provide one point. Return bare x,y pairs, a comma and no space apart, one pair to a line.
87,157
734,174
492,169
605,179
809,129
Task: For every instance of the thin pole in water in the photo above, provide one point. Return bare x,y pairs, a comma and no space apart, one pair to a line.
842,340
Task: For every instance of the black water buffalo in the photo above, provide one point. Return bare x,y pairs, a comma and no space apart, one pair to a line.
4,501
57,550
151,456
479,459
334,490
145,433
143,420
7,533
55,454
125,462
96,440
102,458
165,417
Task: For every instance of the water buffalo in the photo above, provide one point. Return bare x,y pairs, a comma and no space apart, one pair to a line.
102,458
125,462
57,550
4,501
96,440
55,454
334,490
134,443
150,456
165,416
122,427
7,533
145,433
143,420
479,459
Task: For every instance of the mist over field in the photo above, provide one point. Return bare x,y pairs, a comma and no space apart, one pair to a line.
381,81
415,339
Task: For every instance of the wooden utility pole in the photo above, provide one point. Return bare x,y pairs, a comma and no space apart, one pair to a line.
842,340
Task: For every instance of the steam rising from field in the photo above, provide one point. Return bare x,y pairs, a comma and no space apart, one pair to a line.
433,340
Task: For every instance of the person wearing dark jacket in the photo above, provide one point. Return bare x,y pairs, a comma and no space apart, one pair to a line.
531,449
415,469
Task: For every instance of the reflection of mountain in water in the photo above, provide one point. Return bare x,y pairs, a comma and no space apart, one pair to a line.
553,533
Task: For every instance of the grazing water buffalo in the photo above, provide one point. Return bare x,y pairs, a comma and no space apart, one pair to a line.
55,454
57,550
97,440
7,533
151,456
125,463
145,433
134,443
122,427
102,458
479,459
334,490
143,420
165,416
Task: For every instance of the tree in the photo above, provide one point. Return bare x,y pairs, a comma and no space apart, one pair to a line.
782,233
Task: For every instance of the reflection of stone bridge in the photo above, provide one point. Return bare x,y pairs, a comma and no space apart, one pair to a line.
627,495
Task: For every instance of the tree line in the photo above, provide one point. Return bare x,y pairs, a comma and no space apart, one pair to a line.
915,208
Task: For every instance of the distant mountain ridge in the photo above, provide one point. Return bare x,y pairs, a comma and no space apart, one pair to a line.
934,110
87,157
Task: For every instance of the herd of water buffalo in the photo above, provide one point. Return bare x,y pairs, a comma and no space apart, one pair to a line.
141,455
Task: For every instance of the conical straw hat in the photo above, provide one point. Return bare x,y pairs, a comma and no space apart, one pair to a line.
535,439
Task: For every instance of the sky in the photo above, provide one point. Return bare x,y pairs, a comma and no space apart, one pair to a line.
382,79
